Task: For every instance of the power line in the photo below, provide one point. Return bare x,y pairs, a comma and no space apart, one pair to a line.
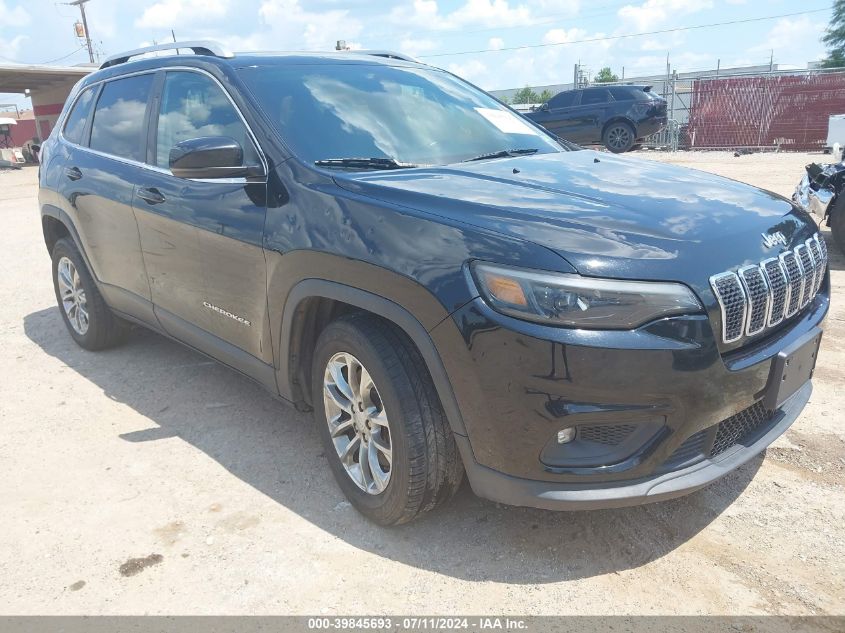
625,35
49,61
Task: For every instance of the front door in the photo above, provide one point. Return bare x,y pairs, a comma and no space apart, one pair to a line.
202,240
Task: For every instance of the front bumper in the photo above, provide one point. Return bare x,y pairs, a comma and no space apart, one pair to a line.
515,491
517,384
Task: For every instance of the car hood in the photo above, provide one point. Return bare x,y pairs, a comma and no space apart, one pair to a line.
606,215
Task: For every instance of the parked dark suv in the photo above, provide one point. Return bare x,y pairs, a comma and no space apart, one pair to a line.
444,284
617,117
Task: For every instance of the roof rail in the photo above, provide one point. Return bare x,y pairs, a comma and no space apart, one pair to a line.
388,54
199,47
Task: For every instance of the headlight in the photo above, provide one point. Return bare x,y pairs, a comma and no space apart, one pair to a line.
582,302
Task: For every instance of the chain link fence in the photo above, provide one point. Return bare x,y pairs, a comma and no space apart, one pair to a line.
787,111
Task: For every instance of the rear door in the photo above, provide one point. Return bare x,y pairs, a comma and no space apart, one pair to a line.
590,114
202,239
103,168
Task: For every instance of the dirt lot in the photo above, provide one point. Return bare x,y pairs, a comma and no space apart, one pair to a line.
148,479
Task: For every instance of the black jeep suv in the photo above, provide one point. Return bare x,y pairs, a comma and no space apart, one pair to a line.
448,287
614,116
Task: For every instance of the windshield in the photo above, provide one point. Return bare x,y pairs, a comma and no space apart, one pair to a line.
412,116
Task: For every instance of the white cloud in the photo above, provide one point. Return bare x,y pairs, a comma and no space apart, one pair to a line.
415,47
561,36
496,43
792,36
11,48
646,16
481,13
793,40
291,27
170,13
13,16
473,70
666,43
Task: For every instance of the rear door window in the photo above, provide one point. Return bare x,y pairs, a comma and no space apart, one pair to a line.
78,118
118,126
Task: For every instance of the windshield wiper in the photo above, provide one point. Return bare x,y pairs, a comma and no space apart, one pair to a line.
363,163
505,153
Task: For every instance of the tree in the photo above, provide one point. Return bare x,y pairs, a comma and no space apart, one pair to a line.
606,75
525,95
545,96
834,37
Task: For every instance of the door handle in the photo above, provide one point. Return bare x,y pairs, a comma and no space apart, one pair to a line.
73,173
151,195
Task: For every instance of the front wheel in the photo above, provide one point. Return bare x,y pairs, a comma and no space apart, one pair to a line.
619,137
383,429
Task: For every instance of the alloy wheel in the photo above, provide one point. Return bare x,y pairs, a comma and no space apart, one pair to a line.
73,296
618,137
358,423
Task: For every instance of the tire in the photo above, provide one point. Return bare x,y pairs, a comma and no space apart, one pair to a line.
425,469
102,329
837,223
619,137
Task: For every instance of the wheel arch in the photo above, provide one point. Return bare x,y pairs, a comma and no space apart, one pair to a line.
55,225
313,303
618,119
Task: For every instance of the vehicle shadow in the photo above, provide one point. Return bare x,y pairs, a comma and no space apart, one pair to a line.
275,449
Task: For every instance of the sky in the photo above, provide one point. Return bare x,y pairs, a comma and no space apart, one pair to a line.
476,39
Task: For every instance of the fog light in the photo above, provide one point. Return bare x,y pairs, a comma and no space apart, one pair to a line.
564,436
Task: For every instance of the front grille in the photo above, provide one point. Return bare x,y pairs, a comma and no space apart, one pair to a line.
692,447
790,264
760,297
715,440
734,305
610,434
737,427
779,285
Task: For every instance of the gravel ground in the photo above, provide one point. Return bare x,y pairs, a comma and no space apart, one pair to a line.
148,479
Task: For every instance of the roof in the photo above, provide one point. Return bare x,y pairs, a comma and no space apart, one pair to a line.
20,77
261,58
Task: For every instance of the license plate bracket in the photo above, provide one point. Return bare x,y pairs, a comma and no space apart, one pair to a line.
791,368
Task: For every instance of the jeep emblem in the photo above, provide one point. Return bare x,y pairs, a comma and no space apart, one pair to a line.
775,238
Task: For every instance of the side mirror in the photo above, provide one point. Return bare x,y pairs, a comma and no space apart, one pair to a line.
210,157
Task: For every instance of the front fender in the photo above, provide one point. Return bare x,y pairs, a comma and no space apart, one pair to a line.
302,275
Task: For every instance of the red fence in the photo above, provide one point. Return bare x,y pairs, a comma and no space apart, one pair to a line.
790,111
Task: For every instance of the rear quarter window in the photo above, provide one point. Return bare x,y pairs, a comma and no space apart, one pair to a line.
78,117
118,125
623,94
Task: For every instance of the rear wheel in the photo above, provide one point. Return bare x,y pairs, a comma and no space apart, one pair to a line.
86,315
619,137
384,432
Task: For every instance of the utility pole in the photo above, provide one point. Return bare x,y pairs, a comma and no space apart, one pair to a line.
81,5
